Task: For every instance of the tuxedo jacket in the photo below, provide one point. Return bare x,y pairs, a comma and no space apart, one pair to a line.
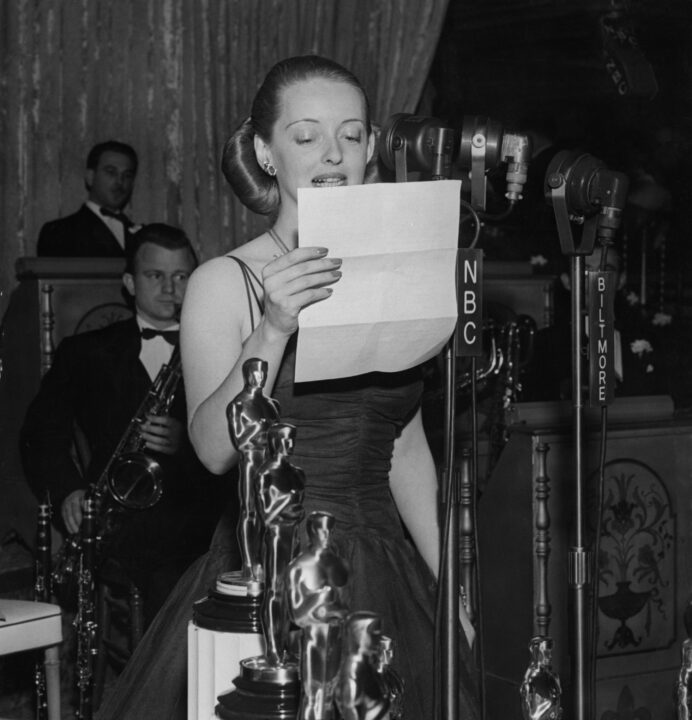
81,234
548,375
98,383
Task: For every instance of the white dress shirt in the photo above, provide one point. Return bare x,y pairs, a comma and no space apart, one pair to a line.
113,224
156,351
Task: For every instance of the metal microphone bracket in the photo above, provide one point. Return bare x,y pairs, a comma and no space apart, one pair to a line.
479,181
566,210
479,150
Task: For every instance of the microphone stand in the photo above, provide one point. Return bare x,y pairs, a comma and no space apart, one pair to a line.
449,565
447,622
578,559
579,187
429,147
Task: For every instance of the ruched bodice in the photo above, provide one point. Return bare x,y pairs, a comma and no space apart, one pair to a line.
345,436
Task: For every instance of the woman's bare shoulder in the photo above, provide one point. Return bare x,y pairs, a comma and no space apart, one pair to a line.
215,282
255,254
224,273
221,267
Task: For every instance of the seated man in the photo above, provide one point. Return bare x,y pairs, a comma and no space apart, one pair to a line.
640,362
99,228
98,382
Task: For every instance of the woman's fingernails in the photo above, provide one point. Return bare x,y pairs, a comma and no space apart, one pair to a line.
335,261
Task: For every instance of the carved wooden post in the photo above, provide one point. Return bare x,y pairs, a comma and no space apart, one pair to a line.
542,608
540,690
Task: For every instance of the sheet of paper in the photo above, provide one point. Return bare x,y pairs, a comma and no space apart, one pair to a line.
395,305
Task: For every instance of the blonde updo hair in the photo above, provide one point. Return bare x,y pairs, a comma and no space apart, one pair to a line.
254,188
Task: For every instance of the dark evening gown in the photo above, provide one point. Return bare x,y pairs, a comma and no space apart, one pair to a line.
345,434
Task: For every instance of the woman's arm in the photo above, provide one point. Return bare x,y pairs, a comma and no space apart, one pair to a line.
214,322
216,337
413,482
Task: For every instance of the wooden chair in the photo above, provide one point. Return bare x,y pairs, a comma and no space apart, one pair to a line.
28,625
120,621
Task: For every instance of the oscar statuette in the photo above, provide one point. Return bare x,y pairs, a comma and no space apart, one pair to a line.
540,690
268,685
683,687
393,683
316,580
226,626
361,692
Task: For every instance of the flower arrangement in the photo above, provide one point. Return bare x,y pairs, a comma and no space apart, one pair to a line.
538,261
632,298
639,347
661,319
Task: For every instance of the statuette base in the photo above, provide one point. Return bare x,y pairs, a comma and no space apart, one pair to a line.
233,583
262,692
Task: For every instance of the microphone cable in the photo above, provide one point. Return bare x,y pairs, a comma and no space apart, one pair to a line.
476,218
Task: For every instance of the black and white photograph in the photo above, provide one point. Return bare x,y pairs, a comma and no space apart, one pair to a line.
345,360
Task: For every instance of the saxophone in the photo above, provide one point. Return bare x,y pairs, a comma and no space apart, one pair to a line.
131,480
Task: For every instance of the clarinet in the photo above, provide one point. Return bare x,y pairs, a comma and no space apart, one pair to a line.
85,620
42,593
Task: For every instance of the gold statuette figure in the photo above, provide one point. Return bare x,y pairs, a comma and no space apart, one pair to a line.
316,581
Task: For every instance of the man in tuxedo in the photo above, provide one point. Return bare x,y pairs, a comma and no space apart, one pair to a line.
99,228
97,383
640,364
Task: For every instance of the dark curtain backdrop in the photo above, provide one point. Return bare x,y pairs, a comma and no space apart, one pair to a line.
172,78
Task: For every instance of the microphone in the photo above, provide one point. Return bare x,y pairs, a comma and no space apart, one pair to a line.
425,144
584,191
484,145
411,143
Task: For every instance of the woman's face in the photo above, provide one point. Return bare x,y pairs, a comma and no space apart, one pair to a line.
320,137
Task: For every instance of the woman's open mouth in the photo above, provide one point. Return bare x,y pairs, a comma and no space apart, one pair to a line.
329,180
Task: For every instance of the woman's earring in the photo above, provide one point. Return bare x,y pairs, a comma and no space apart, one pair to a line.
269,168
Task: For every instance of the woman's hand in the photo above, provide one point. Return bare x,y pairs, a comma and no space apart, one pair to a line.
293,281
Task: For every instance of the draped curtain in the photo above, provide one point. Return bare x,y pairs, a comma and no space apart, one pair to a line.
172,78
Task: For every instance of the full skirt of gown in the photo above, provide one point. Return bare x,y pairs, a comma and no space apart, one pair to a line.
344,439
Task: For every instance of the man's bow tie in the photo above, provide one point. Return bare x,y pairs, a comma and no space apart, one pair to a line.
117,215
170,336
